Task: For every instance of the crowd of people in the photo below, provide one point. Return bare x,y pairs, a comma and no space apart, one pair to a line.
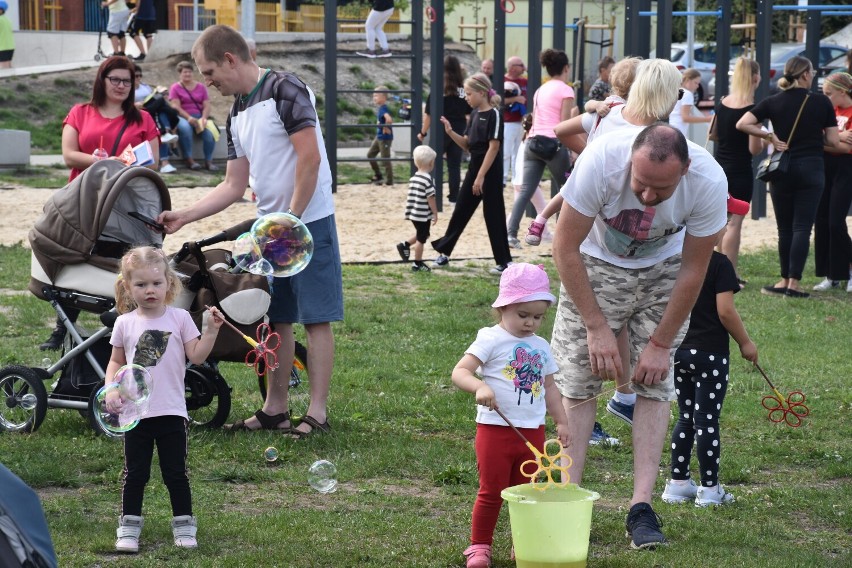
645,300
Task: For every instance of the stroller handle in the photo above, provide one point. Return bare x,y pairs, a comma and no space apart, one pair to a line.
227,235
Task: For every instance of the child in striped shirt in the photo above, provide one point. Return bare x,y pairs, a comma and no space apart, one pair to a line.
420,207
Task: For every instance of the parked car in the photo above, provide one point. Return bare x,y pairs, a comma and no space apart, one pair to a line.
831,59
703,61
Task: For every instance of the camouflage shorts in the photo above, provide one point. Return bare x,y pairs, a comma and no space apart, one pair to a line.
632,297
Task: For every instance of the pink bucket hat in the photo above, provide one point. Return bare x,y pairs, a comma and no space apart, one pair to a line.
523,282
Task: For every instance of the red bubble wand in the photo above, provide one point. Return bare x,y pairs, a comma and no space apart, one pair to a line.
263,353
790,410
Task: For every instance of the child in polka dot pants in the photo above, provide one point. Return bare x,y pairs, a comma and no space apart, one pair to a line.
701,381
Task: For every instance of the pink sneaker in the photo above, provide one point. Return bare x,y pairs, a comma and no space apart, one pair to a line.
533,237
478,556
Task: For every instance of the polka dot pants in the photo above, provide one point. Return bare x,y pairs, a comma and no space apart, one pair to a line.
701,381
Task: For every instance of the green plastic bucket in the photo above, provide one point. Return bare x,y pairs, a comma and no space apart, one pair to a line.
550,527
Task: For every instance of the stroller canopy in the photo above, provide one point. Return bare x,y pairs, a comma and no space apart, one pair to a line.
93,210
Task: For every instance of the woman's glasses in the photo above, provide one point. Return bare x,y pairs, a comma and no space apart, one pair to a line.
116,81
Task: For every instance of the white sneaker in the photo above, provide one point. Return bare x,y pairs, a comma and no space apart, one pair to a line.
168,169
127,535
712,496
827,284
168,137
679,492
514,243
184,529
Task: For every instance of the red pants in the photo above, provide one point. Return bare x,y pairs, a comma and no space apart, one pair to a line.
499,455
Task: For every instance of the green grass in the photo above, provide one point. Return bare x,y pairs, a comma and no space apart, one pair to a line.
403,445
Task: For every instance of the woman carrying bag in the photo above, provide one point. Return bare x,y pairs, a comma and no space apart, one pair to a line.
803,123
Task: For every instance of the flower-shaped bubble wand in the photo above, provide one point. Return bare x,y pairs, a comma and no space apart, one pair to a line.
263,353
791,409
544,463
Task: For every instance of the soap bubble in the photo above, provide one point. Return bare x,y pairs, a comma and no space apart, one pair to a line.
46,363
322,476
134,383
285,243
245,252
270,454
123,415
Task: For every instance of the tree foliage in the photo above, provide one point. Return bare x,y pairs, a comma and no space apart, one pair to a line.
705,27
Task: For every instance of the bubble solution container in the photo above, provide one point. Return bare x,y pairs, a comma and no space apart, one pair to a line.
550,527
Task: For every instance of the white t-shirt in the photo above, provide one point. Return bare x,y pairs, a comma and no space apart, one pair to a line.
158,345
259,127
514,368
593,126
628,234
676,118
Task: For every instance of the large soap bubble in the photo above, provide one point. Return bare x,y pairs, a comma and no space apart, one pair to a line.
115,414
322,476
134,383
285,243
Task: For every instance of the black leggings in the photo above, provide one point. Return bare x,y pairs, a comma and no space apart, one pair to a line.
832,246
170,435
701,381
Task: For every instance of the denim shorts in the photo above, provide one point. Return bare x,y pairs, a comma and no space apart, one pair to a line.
314,295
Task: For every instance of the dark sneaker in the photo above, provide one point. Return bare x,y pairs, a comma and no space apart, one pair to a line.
498,269
600,436
440,261
420,267
620,410
643,527
404,250
369,53
790,293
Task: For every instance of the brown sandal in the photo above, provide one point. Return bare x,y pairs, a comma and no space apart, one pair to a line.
266,421
316,428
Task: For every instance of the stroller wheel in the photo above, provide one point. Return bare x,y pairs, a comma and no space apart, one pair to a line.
299,393
23,399
208,396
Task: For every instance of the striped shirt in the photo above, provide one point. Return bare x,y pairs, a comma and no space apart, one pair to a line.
420,189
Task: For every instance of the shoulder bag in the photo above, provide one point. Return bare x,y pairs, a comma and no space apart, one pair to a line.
775,166
543,146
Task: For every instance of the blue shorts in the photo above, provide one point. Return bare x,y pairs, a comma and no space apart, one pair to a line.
315,295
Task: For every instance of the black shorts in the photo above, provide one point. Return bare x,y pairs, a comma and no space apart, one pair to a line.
147,27
422,228
6,55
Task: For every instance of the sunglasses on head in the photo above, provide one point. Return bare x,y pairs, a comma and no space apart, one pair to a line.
680,93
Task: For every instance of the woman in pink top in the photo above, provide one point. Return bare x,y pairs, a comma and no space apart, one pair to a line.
190,99
553,102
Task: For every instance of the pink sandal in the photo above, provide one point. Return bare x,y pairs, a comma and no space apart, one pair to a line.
478,556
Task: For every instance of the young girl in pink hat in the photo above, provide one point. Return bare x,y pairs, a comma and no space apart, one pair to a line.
515,374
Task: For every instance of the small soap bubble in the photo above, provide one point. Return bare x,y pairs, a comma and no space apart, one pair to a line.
322,476
270,454
46,363
245,252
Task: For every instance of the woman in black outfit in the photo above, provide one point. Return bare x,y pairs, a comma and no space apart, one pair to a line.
796,194
734,149
456,110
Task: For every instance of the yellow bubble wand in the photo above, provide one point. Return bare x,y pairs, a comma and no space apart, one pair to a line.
544,463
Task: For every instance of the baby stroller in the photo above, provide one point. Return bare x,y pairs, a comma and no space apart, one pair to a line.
75,260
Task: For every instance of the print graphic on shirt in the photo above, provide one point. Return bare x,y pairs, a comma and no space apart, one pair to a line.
150,347
525,371
629,233
841,122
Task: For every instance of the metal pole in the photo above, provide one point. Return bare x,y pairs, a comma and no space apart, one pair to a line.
559,21
664,30
690,34
723,48
499,47
330,29
763,44
436,101
418,19
247,19
812,35
534,49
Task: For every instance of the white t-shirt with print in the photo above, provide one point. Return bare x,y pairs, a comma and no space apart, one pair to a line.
158,345
676,118
610,122
628,234
514,368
